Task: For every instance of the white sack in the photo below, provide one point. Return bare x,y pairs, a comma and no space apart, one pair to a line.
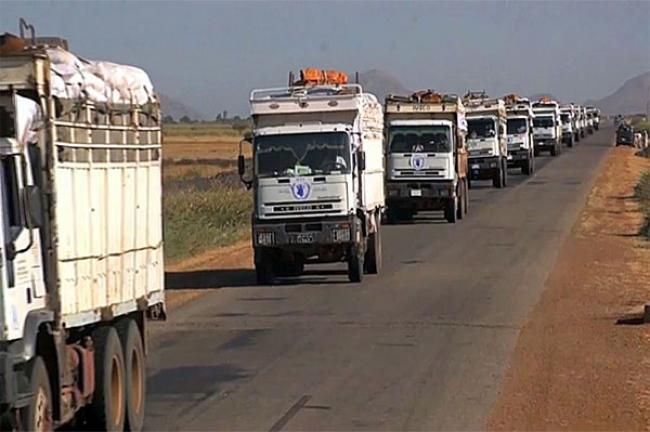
28,119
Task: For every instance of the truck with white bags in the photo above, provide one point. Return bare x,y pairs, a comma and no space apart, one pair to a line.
547,127
317,176
519,130
81,258
486,138
427,165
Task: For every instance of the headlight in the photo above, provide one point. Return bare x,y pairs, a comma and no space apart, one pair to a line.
265,238
341,233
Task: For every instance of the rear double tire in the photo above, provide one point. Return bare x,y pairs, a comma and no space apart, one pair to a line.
108,409
373,256
134,362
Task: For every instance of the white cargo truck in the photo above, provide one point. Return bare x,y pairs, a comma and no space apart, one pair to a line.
594,114
426,155
486,138
81,258
519,132
567,116
547,127
317,176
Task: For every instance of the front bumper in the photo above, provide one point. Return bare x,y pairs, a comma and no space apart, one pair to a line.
301,234
516,157
418,194
567,136
483,167
544,143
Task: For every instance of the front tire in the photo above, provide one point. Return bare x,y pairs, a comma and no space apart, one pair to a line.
37,416
264,274
373,253
355,264
135,367
451,210
108,409
460,211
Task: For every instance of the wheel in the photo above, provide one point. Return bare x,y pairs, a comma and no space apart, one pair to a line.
497,180
570,143
466,194
451,210
355,264
135,367
460,208
536,152
554,151
527,167
504,169
264,274
37,415
469,181
372,259
108,408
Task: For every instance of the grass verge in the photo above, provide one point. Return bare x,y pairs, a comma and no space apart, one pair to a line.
642,193
197,220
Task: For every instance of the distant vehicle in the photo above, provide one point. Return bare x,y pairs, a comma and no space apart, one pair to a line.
317,176
547,127
568,116
519,133
625,135
426,155
594,114
486,138
81,255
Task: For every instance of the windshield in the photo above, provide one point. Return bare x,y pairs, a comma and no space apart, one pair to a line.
544,122
516,126
480,128
303,154
425,139
565,118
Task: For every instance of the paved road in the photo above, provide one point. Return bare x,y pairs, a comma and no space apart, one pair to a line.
423,346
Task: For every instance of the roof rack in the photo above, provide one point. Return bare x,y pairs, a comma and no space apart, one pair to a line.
320,91
424,96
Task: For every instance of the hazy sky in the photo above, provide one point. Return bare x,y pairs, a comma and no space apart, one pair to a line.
209,55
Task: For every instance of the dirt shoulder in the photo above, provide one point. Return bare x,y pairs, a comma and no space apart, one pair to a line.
581,362
193,277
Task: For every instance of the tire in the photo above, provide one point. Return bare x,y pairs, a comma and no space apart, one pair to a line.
466,196
264,274
527,167
372,259
107,411
460,208
37,415
469,182
135,366
536,152
451,210
355,264
554,151
570,143
505,173
497,180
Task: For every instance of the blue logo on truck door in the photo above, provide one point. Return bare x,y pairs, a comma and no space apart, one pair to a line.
301,189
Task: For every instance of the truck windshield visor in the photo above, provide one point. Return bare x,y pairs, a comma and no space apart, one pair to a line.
516,126
481,128
565,118
543,122
302,154
420,139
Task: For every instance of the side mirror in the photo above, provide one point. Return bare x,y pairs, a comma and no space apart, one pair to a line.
34,206
241,160
361,160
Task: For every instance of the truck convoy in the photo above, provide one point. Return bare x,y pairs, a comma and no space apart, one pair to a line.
81,258
519,131
568,115
426,155
317,176
486,138
547,127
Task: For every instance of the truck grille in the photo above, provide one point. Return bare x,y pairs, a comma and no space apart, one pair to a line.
289,208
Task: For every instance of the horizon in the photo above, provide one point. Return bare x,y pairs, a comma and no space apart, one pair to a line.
219,51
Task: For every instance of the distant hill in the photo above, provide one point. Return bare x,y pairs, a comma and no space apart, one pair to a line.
381,83
177,109
630,98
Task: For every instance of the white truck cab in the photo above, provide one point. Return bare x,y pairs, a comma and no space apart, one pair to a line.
519,131
486,138
317,177
426,155
547,127
568,118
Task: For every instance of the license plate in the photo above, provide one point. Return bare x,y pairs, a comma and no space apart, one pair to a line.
476,166
305,238
416,192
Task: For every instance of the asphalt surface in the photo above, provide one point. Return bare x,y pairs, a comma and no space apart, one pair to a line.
424,345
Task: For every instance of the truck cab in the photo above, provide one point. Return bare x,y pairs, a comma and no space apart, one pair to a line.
486,138
568,124
519,130
547,127
317,176
426,155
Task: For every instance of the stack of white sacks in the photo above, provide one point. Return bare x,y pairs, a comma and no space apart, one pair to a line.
72,77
